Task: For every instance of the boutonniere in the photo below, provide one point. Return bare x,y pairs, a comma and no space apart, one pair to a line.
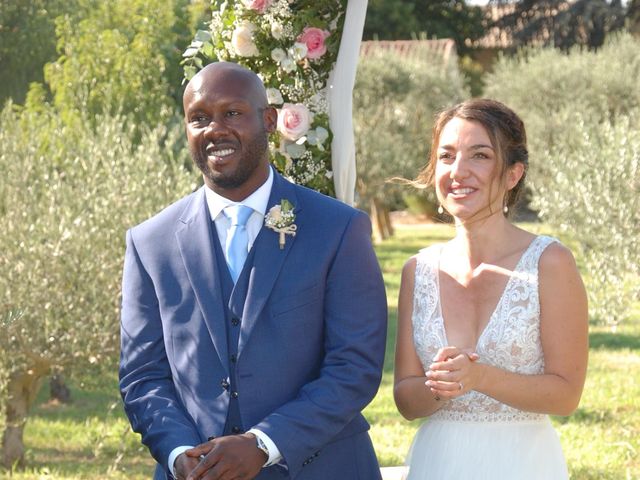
280,219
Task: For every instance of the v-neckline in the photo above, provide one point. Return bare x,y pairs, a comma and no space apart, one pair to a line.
497,306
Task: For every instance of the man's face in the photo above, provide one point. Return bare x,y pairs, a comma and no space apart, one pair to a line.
228,122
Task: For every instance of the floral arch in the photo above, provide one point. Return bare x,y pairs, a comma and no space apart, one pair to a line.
293,45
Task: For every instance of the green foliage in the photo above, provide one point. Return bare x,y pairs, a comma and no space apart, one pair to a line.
113,55
67,196
421,204
402,19
121,56
390,20
604,82
560,23
633,17
27,42
473,72
453,19
584,152
394,102
594,193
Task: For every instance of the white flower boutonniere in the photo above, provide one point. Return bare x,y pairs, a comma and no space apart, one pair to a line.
280,219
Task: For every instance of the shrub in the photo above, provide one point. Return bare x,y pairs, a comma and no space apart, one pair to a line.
119,56
581,111
594,194
544,85
66,198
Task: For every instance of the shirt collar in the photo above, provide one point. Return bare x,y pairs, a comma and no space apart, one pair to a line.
258,200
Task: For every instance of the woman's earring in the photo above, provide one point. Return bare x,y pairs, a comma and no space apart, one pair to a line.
505,203
440,209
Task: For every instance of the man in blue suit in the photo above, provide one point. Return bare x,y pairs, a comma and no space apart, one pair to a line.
247,352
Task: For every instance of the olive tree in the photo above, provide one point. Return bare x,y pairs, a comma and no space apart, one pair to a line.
121,56
584,152
395,99
67,196
593,194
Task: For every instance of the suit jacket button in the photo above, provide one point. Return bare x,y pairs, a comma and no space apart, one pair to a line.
236,430
234,394
224,384
235,321
233,358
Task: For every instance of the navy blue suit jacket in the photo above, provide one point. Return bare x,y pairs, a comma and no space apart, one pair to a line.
311,343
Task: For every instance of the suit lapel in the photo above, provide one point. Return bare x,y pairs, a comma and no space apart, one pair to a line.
195,235
268,260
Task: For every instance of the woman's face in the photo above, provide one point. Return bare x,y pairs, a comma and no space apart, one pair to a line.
467,173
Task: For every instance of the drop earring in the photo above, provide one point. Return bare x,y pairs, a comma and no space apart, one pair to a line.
440,210
505,203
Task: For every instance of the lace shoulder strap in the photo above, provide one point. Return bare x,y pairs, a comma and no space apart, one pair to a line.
531,259
427,259
425,291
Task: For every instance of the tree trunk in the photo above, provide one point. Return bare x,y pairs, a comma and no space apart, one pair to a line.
375,223
58,389
387,221
22,389
380,219
633,17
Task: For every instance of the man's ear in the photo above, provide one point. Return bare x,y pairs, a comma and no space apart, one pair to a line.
270,119
514,174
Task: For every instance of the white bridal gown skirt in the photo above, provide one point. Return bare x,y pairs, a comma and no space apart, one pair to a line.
460,450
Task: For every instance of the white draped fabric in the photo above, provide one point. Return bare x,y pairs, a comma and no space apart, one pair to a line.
339,96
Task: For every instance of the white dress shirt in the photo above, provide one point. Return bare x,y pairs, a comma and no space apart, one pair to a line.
258,201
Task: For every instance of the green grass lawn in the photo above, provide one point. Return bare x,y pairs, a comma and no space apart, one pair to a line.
90,438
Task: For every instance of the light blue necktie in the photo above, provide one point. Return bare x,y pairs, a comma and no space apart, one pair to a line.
237,245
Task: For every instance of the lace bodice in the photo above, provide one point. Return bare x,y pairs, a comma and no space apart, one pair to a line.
511,339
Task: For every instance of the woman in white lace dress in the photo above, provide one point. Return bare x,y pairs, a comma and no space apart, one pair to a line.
492,325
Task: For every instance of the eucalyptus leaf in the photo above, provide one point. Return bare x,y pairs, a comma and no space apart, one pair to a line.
203,36
207,50
190,52
295,151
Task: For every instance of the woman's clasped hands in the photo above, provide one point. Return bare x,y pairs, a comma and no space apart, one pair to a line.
452,372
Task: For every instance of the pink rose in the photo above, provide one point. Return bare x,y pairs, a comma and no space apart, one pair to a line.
257,5
314,38
294,121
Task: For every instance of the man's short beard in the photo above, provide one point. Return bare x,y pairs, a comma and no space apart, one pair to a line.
247,164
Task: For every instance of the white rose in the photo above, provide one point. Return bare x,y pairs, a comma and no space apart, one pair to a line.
274,96
288,65
298,51
277,30
242,40
275,213
294,121
278,55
